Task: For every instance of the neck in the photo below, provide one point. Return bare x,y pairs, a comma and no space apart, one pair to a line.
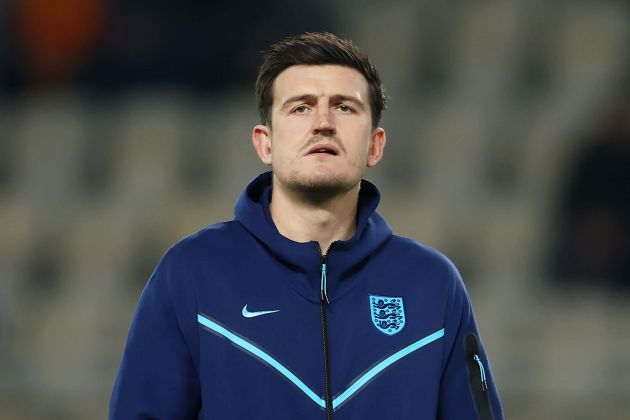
322,220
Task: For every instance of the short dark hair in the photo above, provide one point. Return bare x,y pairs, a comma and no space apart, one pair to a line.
316,48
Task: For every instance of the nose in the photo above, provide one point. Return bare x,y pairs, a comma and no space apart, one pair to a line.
324,124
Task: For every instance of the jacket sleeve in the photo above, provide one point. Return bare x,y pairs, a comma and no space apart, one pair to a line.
467,389
157,378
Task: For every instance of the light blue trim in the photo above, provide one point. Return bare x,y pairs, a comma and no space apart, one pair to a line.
348,393
262,355
365,378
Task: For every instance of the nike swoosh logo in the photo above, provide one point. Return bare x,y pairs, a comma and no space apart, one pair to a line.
248,314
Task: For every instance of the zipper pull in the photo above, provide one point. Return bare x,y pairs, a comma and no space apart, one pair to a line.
482,371
323,294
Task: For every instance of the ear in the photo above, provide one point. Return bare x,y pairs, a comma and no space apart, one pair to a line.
261,139
377,144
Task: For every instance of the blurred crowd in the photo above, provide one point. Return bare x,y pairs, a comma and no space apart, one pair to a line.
105,45
593,245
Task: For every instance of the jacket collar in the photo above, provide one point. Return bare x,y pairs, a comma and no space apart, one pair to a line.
344,257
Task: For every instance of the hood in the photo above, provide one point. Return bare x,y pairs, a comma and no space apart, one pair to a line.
344,257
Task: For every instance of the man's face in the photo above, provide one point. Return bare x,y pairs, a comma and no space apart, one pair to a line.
321,135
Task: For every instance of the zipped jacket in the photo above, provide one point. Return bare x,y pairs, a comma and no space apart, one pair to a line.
239,322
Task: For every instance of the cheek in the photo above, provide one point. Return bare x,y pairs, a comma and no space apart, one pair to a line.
295,125
358,157
290,134
281,147
362,146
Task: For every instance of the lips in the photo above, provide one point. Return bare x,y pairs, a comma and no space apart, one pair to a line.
323,149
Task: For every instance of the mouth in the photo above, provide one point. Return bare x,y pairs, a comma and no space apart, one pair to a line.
323,149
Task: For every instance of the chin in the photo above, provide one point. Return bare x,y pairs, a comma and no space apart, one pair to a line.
319,184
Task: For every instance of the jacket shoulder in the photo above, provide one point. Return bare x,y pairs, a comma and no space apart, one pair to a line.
423,258
180,262
204,241
417,251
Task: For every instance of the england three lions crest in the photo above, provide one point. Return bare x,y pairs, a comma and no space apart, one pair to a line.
388,314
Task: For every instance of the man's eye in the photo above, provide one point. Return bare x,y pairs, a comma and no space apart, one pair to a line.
344,108
301,109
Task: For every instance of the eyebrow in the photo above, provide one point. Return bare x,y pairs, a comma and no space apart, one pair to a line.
312,99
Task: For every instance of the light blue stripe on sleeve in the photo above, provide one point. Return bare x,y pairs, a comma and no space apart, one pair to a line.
245,345
364,379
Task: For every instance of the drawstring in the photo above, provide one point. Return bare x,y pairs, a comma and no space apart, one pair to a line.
324,296
484,384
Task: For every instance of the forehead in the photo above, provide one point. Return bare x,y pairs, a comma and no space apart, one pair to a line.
319,80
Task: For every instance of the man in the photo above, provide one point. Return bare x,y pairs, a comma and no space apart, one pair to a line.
306,305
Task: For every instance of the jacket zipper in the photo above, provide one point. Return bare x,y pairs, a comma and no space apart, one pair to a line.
323,305
478,380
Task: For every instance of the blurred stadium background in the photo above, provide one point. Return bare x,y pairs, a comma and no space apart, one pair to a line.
125,125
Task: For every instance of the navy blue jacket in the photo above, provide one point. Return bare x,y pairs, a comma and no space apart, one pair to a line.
239,322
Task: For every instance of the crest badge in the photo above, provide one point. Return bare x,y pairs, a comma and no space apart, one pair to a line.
388,314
